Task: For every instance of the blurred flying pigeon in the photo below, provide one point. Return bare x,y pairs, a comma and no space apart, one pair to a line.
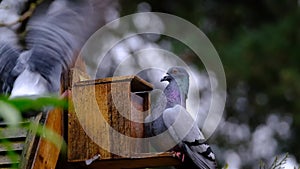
169,114
54,36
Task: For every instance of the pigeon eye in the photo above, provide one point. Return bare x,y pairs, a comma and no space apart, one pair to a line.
174,71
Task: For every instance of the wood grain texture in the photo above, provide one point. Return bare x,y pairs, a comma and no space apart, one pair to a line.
103,105
137,84
30,145
47,152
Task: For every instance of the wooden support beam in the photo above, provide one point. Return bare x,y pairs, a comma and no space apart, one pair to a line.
38,152
47,153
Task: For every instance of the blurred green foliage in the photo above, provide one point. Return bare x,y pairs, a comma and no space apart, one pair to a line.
27,104
11,115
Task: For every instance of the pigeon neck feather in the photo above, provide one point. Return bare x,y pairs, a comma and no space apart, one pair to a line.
176,94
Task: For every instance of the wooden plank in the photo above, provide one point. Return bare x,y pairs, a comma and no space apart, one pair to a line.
47,152
143,161
139,111
6,160
73,76
120,110
16,146
11,133
30,145
80,145
137,83
103,100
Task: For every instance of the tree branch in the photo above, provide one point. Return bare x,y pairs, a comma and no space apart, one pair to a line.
25,15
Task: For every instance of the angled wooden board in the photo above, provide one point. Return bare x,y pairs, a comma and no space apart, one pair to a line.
47,152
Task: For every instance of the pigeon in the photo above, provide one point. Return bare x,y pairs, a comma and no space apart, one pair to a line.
169,114
54,36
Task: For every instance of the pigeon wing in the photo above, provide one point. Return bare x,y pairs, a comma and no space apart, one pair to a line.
182,123
8,58
158,104
183,129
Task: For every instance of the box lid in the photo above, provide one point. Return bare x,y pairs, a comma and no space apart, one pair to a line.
137,84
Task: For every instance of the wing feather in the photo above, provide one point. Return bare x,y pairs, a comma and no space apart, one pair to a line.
182,123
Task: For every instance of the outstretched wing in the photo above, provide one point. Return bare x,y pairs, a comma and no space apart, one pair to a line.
8,58
55,35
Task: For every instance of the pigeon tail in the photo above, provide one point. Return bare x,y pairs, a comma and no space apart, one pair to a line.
201,155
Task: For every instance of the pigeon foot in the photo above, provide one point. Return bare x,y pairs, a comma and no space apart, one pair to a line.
179,155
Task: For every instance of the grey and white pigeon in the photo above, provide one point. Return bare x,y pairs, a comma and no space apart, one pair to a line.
169,115
55,34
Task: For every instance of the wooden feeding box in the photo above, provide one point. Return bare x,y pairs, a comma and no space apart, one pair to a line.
105,118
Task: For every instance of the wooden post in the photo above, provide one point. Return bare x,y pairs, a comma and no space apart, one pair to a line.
47,152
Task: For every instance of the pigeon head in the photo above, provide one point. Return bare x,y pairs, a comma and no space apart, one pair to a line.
180,77
176,73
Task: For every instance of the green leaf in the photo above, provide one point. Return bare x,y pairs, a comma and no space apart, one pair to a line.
10,113
25,104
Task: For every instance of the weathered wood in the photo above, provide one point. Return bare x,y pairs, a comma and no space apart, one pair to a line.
30,145
139,103
47,152
17,143
15,146
80,146
6,160
136,83
100,104
13,133
73,76
38,152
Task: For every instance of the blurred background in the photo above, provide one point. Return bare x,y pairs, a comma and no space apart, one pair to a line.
259,45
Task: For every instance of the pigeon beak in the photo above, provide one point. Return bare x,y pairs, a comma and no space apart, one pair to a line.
166,78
